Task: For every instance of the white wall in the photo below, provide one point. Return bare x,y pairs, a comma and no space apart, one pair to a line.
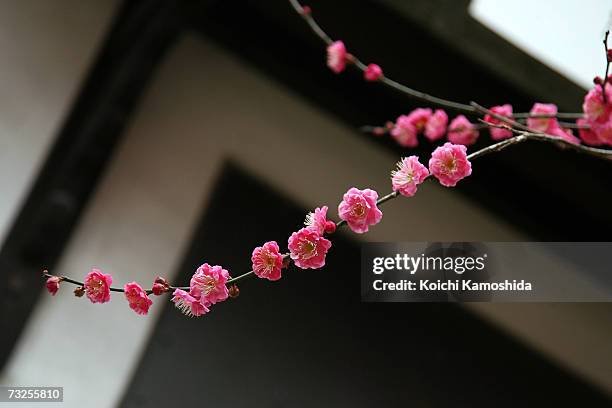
46,49
564,34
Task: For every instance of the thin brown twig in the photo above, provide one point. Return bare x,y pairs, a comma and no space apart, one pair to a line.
434,100
605,79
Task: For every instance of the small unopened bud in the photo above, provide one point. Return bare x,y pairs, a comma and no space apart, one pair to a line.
389,125
330,227
161,280
286,262
306,10
597,80
378,131
79,291
233,291
159,289
609,54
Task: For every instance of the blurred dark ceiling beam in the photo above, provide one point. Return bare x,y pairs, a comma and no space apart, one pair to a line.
136,42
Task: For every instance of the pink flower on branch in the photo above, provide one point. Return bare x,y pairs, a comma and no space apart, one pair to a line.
358,208
498,133
373,72
53,284
462,131
336,56
449,164
97,286
599,114
419,118
188,304
404,132
267,261
308,249
317,221
137,298
409,174
436,125
543,125
209,284
595,110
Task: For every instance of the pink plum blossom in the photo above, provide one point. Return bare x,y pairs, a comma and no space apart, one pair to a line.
587,135
209,284
599,114
336,56
188,304
373,72
409,174
543,125
436,125
137,298
449,164
593,106
267,261
498,133
358,208
404,132
97,286
462,131
308,249
53,284
316,220
419,118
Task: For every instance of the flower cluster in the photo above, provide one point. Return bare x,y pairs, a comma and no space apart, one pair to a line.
207,286
308,246
97,288
434,125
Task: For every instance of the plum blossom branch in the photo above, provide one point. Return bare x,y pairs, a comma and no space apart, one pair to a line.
358,209
527,134
306,13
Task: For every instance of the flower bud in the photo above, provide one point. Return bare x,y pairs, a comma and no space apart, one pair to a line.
609,55
306,10
379,131
330,227
79,291
233,291
159,289
597,80
161,280
286,262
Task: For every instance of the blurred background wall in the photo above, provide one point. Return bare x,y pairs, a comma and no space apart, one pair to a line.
217,134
